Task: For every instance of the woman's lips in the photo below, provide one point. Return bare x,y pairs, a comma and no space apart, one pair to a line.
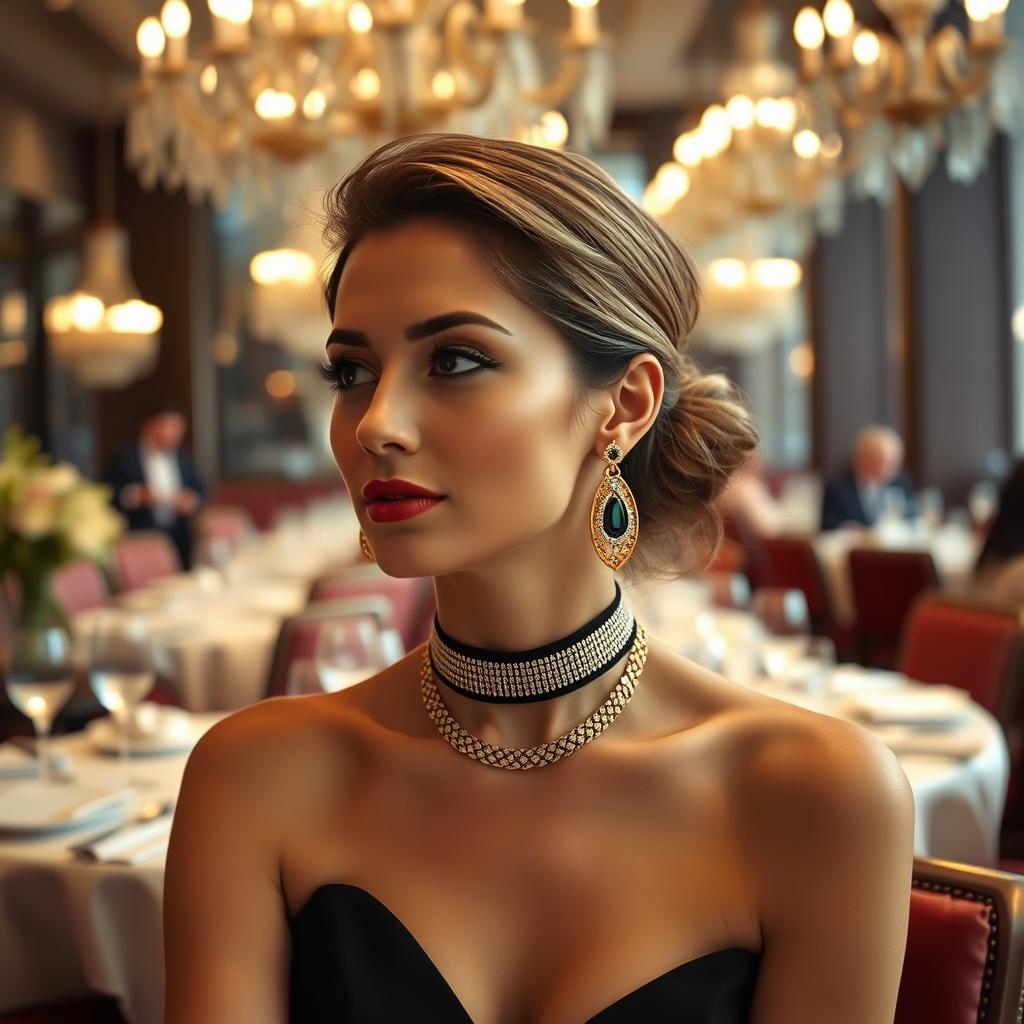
385,510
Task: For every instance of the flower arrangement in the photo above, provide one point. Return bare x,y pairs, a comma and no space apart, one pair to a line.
49,515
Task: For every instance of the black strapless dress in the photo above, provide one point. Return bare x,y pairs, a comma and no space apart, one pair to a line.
354,962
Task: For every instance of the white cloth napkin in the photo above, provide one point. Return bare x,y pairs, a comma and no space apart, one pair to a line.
132,845
960,743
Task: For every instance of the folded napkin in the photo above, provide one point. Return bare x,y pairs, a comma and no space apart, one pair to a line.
959,743
40,803
16,762
131,845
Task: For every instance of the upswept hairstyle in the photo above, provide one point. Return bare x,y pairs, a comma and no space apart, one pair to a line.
562,236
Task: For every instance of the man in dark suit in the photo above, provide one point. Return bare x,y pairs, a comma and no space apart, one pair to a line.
856,496
155,483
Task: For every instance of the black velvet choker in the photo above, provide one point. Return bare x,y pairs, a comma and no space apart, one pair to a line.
505,677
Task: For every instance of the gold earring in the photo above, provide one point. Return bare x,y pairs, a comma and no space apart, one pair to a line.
614,522
364,546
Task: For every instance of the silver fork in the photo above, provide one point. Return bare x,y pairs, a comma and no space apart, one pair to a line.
151,810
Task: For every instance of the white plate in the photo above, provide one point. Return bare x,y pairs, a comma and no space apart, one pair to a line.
34,807
171,731
934,706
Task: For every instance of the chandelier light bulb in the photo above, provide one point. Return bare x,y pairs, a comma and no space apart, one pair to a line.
785,114
86,311
808,29
150,38
443,84
237,11
977,10
578,3
715,130
806,144
365,84
208,79
776,273
273,105
740,109
314,104
998,6
767,113
687,149
554,128
728,272
866,48
134,317
282,266
838,18
176,18
832,146
360,18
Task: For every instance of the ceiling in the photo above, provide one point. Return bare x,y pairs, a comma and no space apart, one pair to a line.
78,64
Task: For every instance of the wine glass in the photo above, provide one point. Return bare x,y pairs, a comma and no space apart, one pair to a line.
931,505
787,624
348,650
39,683
121,672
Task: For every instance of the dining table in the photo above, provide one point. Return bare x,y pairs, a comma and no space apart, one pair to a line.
70,925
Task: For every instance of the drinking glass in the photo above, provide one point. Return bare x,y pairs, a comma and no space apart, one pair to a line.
121,672
787,624
39,683
982,500
348,651
931,505
892,505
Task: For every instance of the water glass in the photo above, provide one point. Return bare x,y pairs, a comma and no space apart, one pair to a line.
121,671
348,650
40,682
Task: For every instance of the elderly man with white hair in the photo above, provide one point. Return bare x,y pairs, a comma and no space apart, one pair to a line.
855,497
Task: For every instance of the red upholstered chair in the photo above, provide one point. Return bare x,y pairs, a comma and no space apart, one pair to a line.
965,948
144,555
885,584
972,646
221,527
90,1010
411,600
80,585
783,612
297,638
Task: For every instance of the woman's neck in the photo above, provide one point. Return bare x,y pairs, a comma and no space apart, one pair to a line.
518,610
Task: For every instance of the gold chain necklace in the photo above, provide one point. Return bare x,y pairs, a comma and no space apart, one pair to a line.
522,758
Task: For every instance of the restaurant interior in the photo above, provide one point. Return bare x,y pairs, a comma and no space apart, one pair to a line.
177,543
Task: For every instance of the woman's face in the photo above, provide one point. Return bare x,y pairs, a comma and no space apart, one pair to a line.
447,381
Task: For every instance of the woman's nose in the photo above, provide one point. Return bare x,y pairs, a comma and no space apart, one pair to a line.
388,422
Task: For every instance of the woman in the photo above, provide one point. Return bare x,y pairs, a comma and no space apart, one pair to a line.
999,571
507,333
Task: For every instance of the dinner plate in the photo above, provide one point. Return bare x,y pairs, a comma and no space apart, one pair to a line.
932,706
35,806
158,730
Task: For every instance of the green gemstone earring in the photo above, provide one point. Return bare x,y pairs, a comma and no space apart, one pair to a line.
614,523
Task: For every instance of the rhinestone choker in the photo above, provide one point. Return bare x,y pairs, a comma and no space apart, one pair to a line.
539,674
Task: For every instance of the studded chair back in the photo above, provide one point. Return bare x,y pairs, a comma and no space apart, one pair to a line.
80,585
964,961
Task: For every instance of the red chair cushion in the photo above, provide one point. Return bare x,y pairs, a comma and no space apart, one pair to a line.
885,585
966,647
944,965
790,563
141,559
78,586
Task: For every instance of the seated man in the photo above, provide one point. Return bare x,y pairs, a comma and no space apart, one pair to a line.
155,483
855,497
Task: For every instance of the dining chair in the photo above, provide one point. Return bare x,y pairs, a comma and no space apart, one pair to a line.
885,585
221,527
411,600
297,636
142,556
80,585
87,1010
969,645
964,959
782,611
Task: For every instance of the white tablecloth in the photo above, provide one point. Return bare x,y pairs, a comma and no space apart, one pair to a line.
68,927
953,549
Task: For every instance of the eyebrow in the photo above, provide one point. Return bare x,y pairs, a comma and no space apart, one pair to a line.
417,332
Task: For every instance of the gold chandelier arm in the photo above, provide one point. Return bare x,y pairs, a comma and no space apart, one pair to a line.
554,93
222,137
949,54
459,24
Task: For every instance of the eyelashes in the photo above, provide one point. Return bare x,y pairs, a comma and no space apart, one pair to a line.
341,374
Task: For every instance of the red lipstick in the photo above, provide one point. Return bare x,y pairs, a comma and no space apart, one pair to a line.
391,501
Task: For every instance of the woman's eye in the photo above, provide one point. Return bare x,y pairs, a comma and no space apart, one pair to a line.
342,374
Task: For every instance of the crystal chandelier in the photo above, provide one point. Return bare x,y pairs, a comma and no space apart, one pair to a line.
903,97
294,90
103,332
765,153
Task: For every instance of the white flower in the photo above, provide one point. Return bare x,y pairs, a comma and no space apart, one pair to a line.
34,510
60,479
88,522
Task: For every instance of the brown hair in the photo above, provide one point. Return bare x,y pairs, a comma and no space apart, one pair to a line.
562,236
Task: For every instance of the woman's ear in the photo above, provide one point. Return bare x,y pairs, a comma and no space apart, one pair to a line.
636,402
